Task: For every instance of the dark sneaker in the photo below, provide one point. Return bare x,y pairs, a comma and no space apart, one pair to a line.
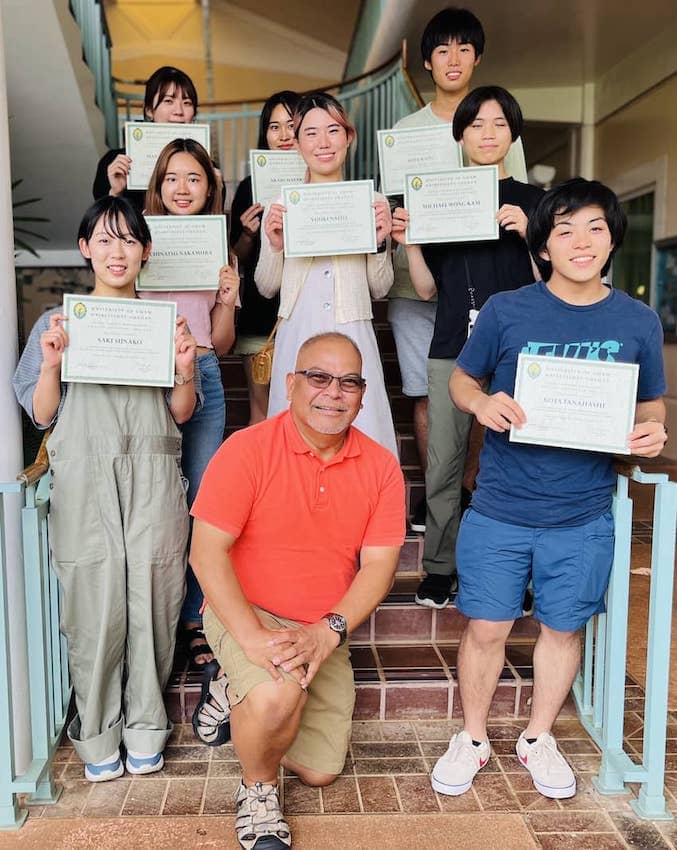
434,591
417,522
259,823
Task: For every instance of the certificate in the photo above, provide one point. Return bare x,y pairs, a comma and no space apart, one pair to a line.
119,341
271,170
402,152
188,253
576,404
325,219
452,206
144,142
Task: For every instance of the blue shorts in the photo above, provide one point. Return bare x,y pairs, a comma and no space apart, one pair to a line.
569,567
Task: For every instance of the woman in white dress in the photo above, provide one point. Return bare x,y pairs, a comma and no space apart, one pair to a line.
327,293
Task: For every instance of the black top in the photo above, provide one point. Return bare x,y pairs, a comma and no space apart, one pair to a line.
137,197
486,267
258,314
101,186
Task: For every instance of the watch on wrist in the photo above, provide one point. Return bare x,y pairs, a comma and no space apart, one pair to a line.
337,623
179,380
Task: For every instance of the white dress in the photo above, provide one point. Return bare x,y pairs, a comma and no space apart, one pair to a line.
313,314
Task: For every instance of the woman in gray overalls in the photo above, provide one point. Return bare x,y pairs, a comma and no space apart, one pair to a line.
118,519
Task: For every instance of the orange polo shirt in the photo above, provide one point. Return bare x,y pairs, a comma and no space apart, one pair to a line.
299,522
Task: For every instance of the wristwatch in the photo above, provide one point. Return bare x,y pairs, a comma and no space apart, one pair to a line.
337,623
179,380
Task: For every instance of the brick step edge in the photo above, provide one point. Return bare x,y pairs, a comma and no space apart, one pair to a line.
402,700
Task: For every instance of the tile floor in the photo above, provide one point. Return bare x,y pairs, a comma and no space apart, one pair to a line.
387,773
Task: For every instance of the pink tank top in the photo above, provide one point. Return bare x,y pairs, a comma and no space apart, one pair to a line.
195,306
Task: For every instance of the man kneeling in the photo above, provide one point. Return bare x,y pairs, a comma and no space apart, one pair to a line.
286,510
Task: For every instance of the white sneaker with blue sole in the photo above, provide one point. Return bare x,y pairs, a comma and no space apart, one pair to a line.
140,763
102,771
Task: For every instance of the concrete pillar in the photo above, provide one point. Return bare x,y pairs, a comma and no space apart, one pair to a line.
11,460
587,157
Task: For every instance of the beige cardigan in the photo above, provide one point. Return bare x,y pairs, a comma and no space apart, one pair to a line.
355,277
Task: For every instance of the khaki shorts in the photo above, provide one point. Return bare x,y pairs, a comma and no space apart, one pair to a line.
322,740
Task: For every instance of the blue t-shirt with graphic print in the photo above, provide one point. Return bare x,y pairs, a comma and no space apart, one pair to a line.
540,485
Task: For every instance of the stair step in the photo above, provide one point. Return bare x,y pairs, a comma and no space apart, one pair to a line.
404,660
405,681
380,310
384,338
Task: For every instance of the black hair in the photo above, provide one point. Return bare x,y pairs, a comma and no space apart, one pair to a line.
159,83
467,110
110,208
566,198
288,99
452,24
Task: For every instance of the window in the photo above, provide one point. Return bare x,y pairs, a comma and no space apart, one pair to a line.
666,287
632,264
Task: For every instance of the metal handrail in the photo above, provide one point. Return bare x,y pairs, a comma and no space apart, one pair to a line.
214,105
49,687
599,690
96,46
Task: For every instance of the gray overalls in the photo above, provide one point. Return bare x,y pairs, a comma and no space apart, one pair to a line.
118,529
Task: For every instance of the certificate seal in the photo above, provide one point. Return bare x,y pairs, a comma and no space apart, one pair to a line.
261,160
389,141
137,134
79,310
294,197
533,370
416,183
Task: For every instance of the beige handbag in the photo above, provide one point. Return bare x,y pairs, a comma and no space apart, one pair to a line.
262,361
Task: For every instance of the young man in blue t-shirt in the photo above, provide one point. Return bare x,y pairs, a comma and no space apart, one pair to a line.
544,512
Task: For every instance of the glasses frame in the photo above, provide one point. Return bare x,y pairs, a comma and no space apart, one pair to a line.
308,374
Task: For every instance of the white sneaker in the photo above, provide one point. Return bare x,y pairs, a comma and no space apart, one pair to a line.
455,770
102,771
549,770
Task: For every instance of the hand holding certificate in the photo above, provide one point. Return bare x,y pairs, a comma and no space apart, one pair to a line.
188,253
576,404
325,219
145,141
271,170
415,149
119,341
452,206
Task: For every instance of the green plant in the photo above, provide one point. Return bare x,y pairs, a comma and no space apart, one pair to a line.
20,243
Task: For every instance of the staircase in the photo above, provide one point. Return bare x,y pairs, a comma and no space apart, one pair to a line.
404,656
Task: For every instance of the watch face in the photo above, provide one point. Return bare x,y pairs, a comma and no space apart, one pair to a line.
337,623
179,380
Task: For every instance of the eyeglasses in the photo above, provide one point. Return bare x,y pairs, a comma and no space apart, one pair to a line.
321,380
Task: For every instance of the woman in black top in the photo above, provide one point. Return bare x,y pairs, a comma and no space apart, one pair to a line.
258,314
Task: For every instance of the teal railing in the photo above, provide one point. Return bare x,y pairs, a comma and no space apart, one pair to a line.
373,101
49,687
96,47
599,691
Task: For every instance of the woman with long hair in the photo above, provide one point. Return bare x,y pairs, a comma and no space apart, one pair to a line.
319,294
184,182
